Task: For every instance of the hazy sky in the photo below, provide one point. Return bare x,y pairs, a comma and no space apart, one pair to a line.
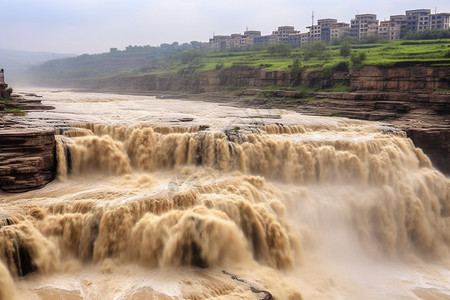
94,26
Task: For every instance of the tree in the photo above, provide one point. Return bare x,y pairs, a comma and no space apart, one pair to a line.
296,66
296,71
371,39
282,50
345,49
315,49
356,60
189,56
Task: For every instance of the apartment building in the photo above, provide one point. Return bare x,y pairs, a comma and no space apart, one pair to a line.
252,33
295,40
417,20
266,40
314,33
321,31
339,30
440,21
305,38
325,29
363,24
222,42
284,32
398,27
384,30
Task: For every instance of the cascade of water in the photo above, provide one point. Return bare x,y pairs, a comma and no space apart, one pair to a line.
263,196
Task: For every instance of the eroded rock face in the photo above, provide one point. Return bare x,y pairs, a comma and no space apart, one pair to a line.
27,159
436,144
407,79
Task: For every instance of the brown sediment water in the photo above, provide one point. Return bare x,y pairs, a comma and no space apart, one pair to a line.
234,204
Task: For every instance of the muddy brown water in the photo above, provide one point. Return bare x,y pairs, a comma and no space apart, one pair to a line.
176,199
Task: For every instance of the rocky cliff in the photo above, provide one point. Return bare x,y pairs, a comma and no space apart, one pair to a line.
401,79
27,159
407,79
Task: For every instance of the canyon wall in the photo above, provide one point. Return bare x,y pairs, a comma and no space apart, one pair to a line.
27,159
401,79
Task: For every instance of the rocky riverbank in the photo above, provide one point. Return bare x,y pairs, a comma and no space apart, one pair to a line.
27,153
27,158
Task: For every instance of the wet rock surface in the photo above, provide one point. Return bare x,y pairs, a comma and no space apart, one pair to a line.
27,152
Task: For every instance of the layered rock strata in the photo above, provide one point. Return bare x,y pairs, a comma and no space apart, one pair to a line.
27,159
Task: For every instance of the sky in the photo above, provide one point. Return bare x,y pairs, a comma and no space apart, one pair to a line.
95,26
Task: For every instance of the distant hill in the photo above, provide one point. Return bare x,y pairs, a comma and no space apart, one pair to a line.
17,63
86,66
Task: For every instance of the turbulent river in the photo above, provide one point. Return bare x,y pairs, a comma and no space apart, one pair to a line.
177,199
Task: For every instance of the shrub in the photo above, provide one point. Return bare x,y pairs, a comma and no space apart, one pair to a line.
315,49
189,56
296,66
356,60
345,49
219,66
341,66
282,50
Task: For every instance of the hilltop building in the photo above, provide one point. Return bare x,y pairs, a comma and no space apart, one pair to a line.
384,30
417,20
283,33
440,21
363,24
321,31
326,30
397,25
340,30
222,42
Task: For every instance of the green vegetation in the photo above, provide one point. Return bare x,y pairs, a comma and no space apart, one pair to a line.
429,34
315,49
176,60
7,106
356,60
15,111
281,50
5,100
442,90
337,114
345,49
340,89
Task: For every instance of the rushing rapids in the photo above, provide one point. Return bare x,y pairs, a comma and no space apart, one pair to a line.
243,208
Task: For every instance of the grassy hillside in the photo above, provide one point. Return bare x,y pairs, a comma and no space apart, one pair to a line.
315,56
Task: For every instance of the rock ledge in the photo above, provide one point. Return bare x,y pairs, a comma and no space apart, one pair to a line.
27,159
